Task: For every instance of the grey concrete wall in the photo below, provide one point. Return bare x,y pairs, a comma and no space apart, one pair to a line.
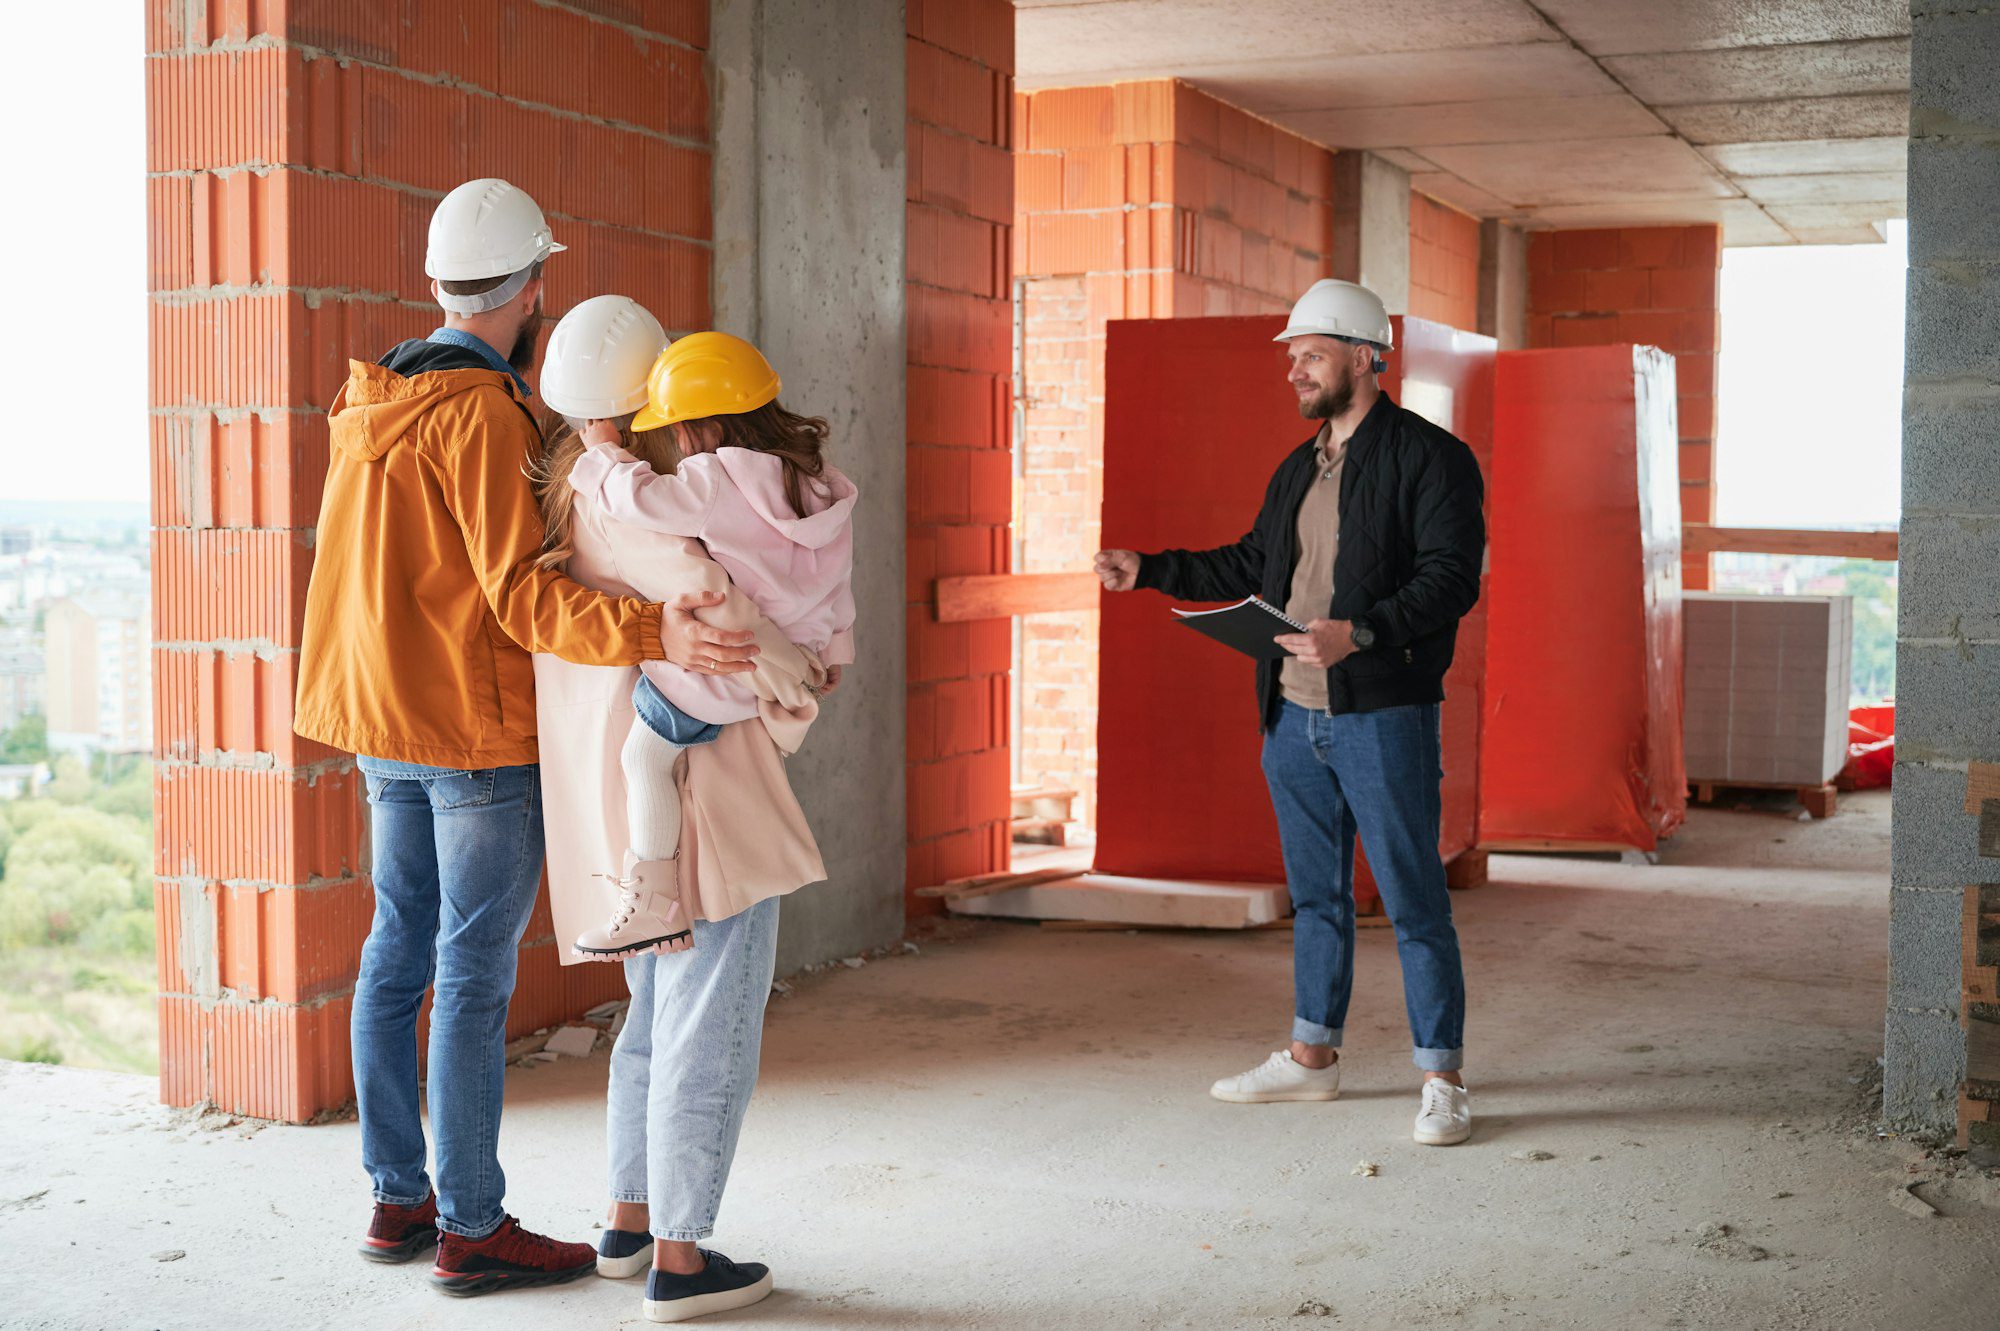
1371,226
1948,630
809,172
1503,284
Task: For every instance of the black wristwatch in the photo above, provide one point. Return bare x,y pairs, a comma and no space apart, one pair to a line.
1362,633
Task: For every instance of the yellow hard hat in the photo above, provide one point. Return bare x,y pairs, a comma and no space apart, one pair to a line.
706,374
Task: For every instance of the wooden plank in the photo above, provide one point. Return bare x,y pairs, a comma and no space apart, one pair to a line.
1003,595
1982,783
1116,899
958,889
1466,869
1538,846
1112,926
1702,539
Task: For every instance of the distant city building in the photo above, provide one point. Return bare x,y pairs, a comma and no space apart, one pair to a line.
97,651
22,779
16,540
21,685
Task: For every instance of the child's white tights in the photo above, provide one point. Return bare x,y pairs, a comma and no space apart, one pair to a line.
652,800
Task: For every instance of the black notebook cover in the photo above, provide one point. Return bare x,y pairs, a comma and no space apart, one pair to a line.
1248,626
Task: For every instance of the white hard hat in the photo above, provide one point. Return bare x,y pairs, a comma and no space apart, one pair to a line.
1333,308
599,358
485,228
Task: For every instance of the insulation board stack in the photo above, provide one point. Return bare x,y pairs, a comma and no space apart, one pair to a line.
1767,687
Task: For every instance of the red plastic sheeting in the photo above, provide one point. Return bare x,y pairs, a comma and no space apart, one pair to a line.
1583,660
1197,416
1871,747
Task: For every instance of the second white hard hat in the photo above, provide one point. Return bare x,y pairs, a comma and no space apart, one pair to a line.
599,358
486,228
1334,308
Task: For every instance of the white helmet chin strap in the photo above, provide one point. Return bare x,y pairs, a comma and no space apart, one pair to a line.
485,300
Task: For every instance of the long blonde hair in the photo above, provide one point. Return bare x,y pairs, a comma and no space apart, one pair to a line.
562,445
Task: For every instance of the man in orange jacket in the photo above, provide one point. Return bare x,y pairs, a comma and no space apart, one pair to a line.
424,610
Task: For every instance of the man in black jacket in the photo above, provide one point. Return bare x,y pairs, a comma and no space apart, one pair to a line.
1371,537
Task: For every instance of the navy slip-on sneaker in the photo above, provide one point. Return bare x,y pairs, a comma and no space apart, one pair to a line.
717,1287
622,1253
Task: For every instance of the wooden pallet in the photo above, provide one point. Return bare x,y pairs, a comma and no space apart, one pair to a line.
1818,800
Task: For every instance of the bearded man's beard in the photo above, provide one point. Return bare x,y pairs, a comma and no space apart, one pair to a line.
1330,402
522,355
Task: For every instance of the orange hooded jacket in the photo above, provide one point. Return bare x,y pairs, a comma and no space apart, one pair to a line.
425,602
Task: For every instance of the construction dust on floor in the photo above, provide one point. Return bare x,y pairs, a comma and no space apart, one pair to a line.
1672,1067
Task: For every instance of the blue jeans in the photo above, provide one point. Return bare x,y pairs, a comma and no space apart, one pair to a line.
684,1066
667,721
1376,772
457,861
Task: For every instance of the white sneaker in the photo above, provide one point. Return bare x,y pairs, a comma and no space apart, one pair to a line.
1279,1078
1446,1116
649,913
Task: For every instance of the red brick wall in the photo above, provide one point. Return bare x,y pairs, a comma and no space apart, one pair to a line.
960,212
1659,286
1133,200
294,155
1444,264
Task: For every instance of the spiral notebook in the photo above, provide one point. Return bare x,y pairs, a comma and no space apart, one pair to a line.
1248,626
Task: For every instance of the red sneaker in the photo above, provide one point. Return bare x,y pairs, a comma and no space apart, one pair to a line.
508,1258
398,1233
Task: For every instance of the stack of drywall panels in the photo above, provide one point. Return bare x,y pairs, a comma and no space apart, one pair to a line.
1767,687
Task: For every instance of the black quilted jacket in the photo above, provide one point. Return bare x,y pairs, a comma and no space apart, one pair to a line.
1412,538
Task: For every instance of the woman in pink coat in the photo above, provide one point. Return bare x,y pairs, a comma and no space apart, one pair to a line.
709,835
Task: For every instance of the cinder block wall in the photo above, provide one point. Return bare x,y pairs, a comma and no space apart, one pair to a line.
1657,286
294,156
1134,200
1941,1041
960,211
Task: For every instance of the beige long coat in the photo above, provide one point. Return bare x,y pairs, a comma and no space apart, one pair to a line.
743,835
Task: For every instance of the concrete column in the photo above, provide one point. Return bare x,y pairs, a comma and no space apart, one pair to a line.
1371,226
1948,653
809,245
1503,284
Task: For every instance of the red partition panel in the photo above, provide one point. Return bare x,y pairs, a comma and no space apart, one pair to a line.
1582,743
1197,416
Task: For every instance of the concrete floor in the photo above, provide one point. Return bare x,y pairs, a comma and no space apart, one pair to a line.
1010,1129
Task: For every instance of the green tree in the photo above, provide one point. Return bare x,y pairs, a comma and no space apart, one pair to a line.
1870,584
27,741
70,868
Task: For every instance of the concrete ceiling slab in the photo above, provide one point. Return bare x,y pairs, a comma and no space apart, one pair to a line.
1801,157
1407,78
1853,187
1743,222
1557,112
1748,74
1823,216
1620,171
1448,188
1840,235
1409,159
1542,119
1874,115
1623,27
1060,41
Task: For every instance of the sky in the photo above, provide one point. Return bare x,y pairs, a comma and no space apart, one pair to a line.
1809,413
1810,379
75,240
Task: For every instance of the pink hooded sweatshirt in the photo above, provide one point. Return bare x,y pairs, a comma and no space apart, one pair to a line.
799,570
